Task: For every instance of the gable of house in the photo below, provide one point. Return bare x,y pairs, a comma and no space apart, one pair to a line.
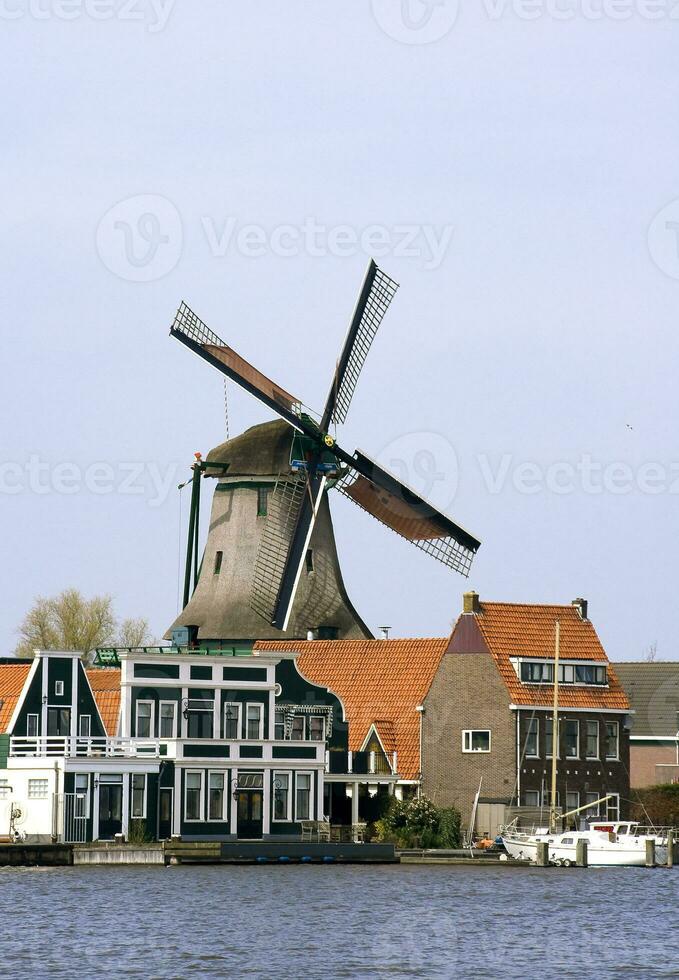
653,690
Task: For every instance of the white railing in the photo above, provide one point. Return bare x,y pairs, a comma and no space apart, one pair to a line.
82,746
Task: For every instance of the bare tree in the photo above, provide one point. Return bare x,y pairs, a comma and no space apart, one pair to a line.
68,621
651,652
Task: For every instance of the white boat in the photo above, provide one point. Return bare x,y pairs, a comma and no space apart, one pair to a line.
604,848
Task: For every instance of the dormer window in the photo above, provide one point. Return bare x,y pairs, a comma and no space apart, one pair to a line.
542,672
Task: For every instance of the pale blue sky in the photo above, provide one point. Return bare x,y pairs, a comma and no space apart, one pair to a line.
536,155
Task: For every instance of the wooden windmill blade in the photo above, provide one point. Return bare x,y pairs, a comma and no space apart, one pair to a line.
402,510
293,509
376,294
197,336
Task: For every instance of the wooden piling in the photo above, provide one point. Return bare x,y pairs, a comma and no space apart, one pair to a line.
542,854
650,854
581,852
670,848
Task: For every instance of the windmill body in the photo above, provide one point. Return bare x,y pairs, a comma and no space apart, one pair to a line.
270,567
221,607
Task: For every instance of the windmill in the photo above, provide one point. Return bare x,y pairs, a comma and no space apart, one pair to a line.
316,464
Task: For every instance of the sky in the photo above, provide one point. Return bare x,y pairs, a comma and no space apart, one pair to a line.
510,163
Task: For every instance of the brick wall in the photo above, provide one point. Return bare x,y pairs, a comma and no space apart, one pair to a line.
467,693
644,759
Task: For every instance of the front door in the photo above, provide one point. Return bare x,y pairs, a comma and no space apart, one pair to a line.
110,810
165,813
250,814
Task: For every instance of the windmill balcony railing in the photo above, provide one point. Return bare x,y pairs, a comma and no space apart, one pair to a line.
82,746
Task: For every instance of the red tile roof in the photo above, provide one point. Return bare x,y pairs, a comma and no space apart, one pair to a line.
379,681
12,680
105,683
522,630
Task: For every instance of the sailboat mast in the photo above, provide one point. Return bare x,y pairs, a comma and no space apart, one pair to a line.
555,728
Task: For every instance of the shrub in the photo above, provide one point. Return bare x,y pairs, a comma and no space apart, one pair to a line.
419,823
659,804
137,833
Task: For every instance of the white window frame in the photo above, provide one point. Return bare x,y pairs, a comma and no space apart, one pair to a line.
211,709
467,740
288,810
281,712
201,795
590,758
260,706
548,739
310,815
239,719
298,718
5,788
58,689
151,718
535,793
44,789
577,738
527,734
616,757
576,794
142,815
323,721
608,804
225,794
81,733
173,705
29,719
82,793
593,813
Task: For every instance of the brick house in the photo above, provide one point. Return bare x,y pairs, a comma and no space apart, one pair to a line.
488,714
653,691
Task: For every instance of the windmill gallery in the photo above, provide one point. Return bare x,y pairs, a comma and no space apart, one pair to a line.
271,713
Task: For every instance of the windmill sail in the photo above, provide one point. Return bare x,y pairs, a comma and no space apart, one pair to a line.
376,294
402,510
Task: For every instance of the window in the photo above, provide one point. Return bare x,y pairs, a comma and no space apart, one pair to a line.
530,738
309,560
317,728
59,689
255,721
281,796
547,798
138,810
82,795
592,747
613,807
32,726
537,673
590,674
168,719
297,731
279,725
218,562
216,796
37,789
231,720
303,797
566,673
549,728
262,501
85,726
476,741
572,801
4,789
193,803
200,722
571,734
593,811
144,726
612,740
531,798
58,721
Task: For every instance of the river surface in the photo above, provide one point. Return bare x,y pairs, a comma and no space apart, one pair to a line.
316,922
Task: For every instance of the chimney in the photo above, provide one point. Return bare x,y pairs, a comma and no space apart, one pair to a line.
471,602
385,632
581,606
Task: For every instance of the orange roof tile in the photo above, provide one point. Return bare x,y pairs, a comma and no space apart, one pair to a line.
105,683
12,680
378,681
518,630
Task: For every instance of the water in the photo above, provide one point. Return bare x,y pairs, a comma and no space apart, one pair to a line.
317,922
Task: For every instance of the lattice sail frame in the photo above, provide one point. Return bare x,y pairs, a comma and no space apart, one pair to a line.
444,547
284,505
382,291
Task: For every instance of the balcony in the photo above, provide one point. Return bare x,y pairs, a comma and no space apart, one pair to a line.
82,747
